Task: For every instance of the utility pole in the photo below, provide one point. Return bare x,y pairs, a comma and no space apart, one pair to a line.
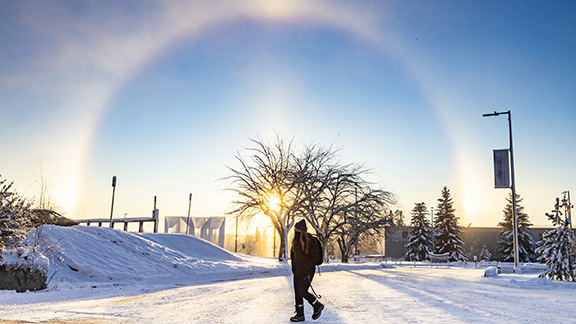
513,183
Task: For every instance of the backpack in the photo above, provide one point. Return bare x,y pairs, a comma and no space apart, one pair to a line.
320,258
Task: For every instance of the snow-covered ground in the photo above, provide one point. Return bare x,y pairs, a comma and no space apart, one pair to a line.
99,275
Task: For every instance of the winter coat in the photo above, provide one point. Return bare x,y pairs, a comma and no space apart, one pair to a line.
303,264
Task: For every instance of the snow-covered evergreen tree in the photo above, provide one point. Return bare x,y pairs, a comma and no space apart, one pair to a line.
421,236
481,254
484,254
557,248
395,218
16,217
526,244
447,232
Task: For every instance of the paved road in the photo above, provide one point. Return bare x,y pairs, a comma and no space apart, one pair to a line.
401,295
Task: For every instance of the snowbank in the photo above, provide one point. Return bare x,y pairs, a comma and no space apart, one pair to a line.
491,272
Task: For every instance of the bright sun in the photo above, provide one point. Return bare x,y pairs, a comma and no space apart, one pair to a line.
274,202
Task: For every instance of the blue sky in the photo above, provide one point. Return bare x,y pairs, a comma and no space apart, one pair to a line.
164,94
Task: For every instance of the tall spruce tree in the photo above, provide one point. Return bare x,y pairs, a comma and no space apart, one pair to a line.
421,236
526,244
447,235
557,248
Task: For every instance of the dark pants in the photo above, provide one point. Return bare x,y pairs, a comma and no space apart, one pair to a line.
301,285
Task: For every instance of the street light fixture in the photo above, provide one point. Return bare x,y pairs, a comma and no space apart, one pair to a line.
513,183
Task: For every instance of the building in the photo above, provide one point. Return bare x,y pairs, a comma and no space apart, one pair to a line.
396,239
212,229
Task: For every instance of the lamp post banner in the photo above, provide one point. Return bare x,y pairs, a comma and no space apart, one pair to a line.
502,168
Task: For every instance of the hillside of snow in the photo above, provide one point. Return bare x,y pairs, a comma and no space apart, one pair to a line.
82,255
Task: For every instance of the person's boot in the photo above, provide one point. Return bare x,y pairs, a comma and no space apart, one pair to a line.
318,307
299,316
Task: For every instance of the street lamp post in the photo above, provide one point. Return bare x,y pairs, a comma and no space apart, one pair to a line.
432,226
188,219
568,205
112,207
274,248
236,236
512,184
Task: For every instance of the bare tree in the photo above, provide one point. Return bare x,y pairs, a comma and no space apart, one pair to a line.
276,182
367,215
345,195
314,185
325,189
44,200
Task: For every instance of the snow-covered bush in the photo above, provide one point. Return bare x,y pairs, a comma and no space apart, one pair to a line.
22,269
16,218
24,258
22,265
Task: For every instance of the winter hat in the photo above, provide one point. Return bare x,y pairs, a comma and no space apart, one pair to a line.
301,225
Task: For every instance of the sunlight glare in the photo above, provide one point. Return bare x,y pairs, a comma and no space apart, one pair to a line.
274,202
471,205
66,198
277,9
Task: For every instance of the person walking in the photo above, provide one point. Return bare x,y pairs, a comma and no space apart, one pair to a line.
304,253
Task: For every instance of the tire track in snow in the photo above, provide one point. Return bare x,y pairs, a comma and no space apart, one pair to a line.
447,306
364,300
464,295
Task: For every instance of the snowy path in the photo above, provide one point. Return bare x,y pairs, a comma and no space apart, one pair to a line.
376,295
